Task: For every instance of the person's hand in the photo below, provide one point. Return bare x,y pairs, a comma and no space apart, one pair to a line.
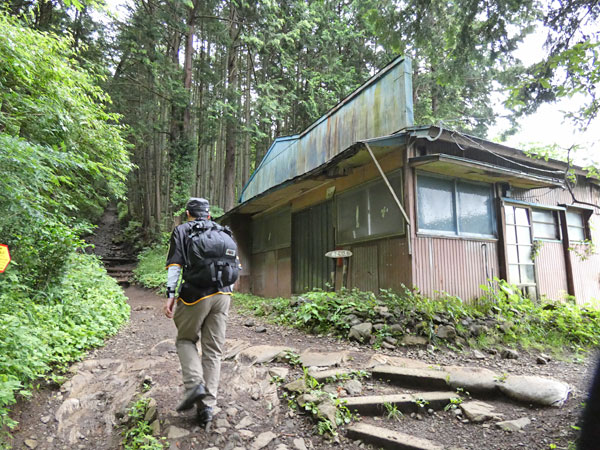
169,307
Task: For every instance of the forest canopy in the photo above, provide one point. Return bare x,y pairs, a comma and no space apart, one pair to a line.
204,87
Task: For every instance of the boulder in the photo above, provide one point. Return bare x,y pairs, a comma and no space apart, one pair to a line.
472,379
478,412
281,372
319,359
175,432
509,353
513,425
446,332
298,386
262,440
261,353
414,340
327,410
537,390
353,387
361,332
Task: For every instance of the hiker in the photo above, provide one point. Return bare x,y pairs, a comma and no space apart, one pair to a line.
590,428
200,310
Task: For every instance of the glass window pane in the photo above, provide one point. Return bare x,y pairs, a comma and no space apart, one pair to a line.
509,213
576,234
435,199
527,274
511,236
475,209
545,231
524,254
523,235
352,216
574,218
543,215
513,274
521,216
511,254
385,215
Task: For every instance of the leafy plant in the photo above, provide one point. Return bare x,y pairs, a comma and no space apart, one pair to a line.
454,402
352,375
292,358
138,435
37,337
421,402
392,411
150,270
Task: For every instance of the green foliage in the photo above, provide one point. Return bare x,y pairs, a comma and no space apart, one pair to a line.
352,375
292,358
454,402
392,411
36,336
62,153
557,326
315,390
139,434
150,271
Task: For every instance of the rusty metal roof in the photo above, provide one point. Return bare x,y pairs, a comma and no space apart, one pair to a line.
381,106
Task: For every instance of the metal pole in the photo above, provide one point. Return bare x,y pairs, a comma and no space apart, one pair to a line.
385,179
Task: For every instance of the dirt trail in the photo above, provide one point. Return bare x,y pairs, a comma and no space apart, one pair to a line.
144,350
84,412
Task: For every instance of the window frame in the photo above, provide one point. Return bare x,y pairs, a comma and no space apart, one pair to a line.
555,214
365,188
456,204
585,220
267,223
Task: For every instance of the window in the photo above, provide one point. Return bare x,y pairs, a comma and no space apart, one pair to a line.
370,211
272,232
455,207
545,224
519,246
576,225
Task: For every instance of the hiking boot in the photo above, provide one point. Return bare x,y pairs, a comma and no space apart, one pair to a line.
205,416
191,397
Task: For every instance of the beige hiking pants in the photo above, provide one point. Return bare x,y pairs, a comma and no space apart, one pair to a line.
205,321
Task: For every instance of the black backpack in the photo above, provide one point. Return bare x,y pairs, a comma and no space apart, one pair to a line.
211,255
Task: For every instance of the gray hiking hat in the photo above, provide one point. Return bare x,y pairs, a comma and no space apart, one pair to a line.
198,207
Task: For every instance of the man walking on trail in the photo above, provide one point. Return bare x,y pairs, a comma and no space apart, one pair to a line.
200,310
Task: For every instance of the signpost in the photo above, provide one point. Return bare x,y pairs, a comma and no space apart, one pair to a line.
4,257
343,255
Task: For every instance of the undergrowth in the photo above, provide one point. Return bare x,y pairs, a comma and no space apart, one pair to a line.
511,318
138,433
42,333
150,271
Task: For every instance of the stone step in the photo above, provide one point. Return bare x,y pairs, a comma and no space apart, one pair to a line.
389,439
371,405
412,377
322,375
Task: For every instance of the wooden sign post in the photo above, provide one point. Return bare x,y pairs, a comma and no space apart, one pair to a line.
343,255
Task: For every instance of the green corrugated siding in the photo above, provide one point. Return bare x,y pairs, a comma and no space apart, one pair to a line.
312,237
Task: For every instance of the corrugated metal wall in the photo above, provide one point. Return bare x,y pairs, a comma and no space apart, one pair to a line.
456,266
586,272
271,273
551,270
312,237
364,269
381,264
